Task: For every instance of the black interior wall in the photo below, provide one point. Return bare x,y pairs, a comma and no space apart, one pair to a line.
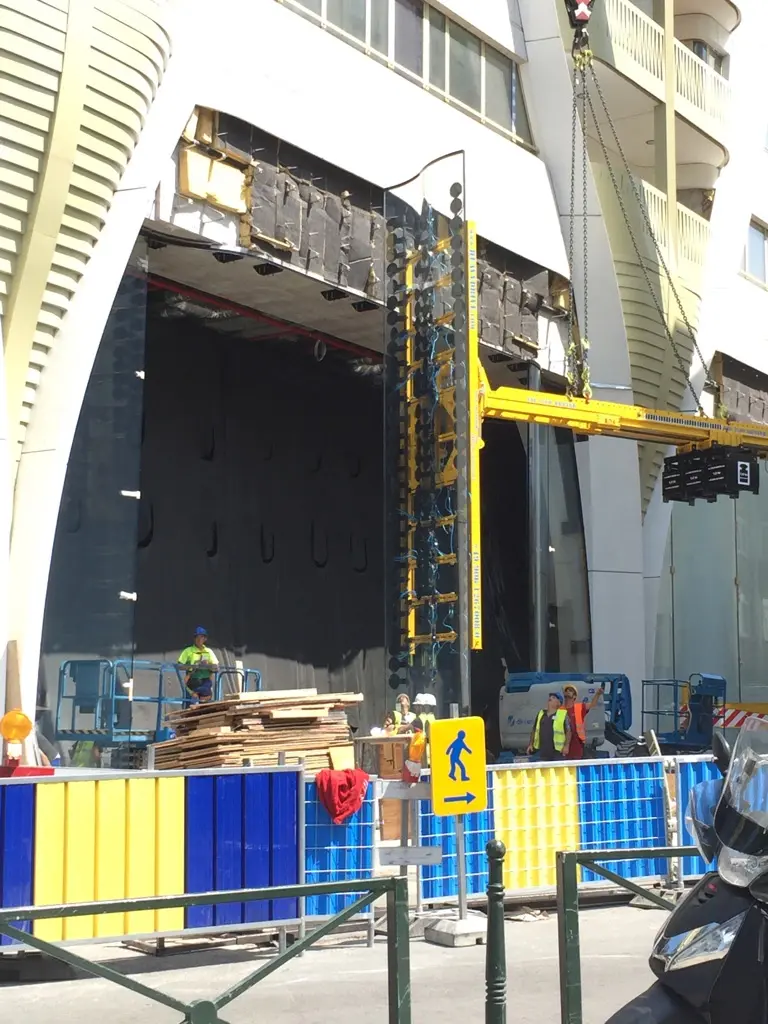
261,514
262,509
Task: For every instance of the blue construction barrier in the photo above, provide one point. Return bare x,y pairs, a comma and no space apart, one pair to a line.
336,853
440,881
17,837
689,773
242,830
621,807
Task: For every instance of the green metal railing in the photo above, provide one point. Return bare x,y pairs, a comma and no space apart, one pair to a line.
568,910
207,1011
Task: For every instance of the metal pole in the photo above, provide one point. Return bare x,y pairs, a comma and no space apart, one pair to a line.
375,863
302,830
568,938
461,866
282,934
398,953
495,951
461,854
405,828
534,529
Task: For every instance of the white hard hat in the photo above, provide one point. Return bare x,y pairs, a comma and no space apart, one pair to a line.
429,699
419,699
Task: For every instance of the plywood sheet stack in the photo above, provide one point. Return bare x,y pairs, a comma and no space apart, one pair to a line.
255,728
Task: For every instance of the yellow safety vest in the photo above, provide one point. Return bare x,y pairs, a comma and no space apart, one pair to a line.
560,718
397,718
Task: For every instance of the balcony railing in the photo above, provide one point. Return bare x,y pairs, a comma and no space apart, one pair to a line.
692,237
639,37
692,230
633,43
701,87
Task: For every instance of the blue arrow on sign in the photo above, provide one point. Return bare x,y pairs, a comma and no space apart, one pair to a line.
467,798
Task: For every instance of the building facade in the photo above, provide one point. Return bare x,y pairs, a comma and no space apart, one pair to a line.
142,164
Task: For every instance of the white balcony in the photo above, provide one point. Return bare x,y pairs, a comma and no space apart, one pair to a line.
693,231
633,44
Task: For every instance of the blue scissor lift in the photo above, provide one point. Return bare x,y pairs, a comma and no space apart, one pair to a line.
96,702
682,712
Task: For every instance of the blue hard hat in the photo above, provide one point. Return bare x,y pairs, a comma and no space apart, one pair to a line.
557,695
201,631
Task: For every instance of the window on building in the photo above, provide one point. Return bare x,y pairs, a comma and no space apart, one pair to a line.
348,15
755,262
465,68
503,95
438,38
380,27
428,47
409,35
707,53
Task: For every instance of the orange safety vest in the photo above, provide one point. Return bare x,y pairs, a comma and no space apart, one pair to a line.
578,714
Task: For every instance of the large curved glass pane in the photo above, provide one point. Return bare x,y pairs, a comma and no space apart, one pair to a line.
87,681
568,646
752,574
426,430
705,615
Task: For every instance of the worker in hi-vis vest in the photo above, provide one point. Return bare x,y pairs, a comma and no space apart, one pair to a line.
199,664
402,715
551,733
577,712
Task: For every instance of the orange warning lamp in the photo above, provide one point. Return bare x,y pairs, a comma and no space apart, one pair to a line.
15,726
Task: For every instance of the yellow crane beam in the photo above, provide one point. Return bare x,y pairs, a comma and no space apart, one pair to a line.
612,419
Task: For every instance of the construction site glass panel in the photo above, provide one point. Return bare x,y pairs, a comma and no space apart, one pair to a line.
704,595
567,646
752,575
426,436
88,676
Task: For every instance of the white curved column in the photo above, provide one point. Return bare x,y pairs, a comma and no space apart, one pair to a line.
608,468
45,454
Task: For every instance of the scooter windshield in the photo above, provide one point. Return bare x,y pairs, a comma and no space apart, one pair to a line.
700,818
741,817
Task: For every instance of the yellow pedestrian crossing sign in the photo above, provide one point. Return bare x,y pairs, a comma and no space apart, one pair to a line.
457,757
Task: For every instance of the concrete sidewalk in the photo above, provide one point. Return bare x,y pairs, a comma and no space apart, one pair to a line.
344,985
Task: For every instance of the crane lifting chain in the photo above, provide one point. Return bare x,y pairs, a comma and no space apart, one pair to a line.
577,370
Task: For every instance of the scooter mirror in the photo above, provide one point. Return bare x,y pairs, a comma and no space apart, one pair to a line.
722,752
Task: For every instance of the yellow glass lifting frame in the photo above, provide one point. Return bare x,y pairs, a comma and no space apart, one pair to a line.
412,406
474,444
612,419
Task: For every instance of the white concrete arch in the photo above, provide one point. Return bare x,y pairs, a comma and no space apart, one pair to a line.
48,441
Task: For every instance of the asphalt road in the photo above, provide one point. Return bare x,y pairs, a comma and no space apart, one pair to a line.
346,985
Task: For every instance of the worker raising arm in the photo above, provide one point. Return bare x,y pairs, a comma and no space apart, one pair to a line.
199,663
577,712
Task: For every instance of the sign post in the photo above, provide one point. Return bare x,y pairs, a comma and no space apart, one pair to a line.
459,784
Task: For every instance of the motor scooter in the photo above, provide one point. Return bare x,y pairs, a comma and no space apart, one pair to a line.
710,957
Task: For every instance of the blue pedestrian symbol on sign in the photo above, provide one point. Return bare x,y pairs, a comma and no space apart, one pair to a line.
454,752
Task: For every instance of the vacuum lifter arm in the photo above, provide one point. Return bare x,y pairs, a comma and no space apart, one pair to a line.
612,419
